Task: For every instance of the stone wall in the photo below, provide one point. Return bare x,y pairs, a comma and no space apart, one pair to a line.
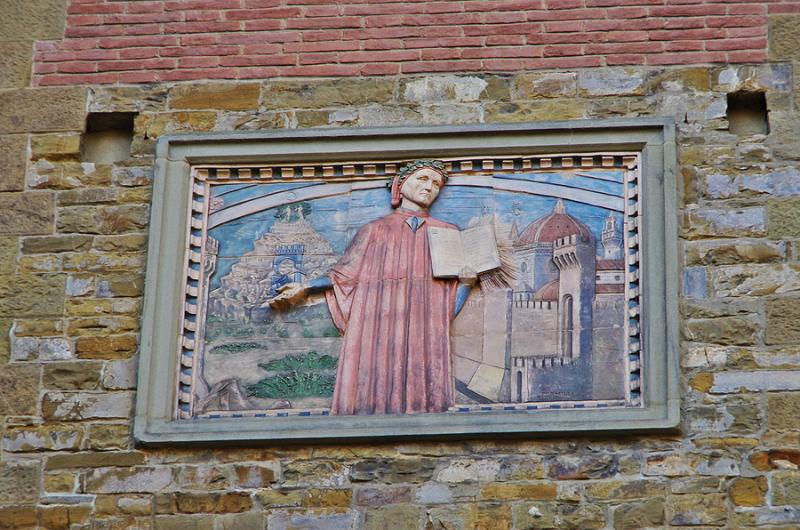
72,256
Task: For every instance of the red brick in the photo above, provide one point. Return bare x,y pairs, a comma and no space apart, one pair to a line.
440,66
500,51
687,11
521,28
380,69
138,77
44,68
259,72
200,27
568,26
785,7
734,22
684,46
78,44
625,59
80,79
258,60
79,55
505,40
333,70
260,14
380,33
379,56
145,7
624,48
440,54
331,46
443,7
329,34
563,38
750,56
200,39
143,29
156,64
504,5
378,44
94,31
318,58
262,49
747,9
181,51
263,25
258,4
568,14
626,12
746,32
202,4
144,18
200,73
138,53
132,42
315,23
77,67
85,9
258,38
84,20
626,36
444,42
687,34
737,44
686,58
563,4
322,11
204,16
198,62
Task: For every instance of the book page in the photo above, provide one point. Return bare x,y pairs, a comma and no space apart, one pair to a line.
482,244
447,253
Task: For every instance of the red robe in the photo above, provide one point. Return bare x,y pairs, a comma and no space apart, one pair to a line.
395,316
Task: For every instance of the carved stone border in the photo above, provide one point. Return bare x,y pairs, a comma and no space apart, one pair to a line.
176,272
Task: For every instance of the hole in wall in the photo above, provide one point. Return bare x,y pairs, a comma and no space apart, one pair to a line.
747,113
108,137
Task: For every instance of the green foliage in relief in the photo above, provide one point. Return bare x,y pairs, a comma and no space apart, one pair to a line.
236,347
304,362
296,376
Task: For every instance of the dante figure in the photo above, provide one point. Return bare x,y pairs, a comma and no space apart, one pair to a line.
395,316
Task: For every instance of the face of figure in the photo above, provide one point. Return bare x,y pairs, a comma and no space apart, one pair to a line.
421,188
286,266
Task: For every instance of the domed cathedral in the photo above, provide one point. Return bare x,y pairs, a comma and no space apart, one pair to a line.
553,306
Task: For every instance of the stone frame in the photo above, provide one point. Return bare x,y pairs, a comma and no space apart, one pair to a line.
650,141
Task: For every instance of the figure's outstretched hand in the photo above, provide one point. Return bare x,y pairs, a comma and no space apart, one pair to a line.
467,276
289,295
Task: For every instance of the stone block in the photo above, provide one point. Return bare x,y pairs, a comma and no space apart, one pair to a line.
43,109
370,496
20,394
469,470
537,110
29,295
183,522
42,438
782,409
280,498
86,196
489,516
642,514
127,98
9,249
256,475
711,222
327,498
783,321
19,483
103,219
780,183
695,510
539,491
784,218
215,96
443,88
19,517
120,375
312,118
155,125
396,516
140,479
64,406
83,375
38,327
722,330
786,488
204,477
13,158
104,437
280,95
127,177
113,347
755,280
213,502
55,146
748,491
314,520
537,85
592,466
695,485
63,517
121,243
618,489
42,349
732,253
535,515
57,243
26,213
33,19
611,82
784,42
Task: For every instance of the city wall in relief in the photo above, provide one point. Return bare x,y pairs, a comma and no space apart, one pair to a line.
557,335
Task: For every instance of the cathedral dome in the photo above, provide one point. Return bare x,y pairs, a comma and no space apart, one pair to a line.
555,225
547,292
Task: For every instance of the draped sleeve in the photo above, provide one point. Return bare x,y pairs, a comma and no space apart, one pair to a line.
344,276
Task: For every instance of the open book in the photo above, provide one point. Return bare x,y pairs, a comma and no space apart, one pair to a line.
452,250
